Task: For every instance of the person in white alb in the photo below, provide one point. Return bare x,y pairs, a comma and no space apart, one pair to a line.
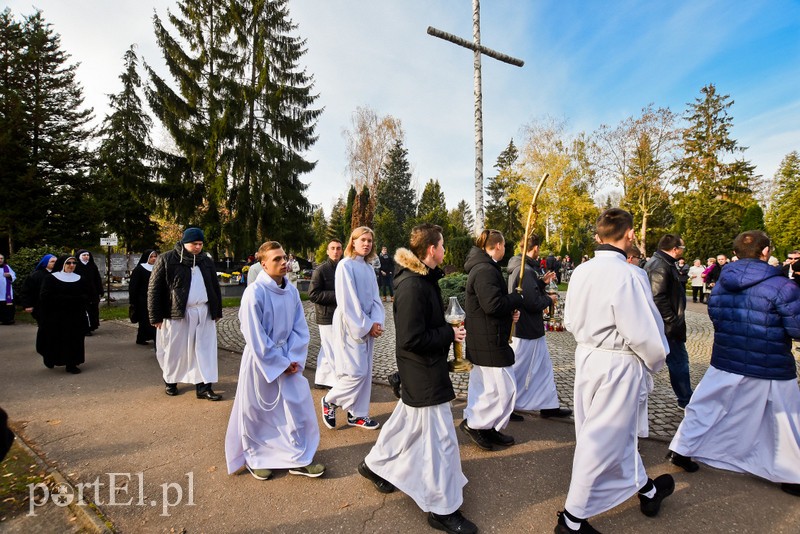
273,423
620,337
357,322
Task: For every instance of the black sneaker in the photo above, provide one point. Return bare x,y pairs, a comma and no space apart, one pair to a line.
381,484
563,528
498,438
684,462
394,381
454,523
791,489
665,485
476,436
555,412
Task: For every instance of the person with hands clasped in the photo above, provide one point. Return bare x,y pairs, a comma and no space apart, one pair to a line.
273,424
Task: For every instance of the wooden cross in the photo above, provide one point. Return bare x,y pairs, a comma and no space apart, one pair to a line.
478,50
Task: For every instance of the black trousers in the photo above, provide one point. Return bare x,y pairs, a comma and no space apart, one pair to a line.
7,313
698,290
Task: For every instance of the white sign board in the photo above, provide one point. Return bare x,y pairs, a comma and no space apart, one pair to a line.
110,241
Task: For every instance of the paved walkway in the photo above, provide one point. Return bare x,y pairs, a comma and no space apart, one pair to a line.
665,415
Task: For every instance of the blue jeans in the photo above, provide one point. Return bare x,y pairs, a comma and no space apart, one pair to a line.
678,365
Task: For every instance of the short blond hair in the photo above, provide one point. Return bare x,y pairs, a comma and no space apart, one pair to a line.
261,255
355,234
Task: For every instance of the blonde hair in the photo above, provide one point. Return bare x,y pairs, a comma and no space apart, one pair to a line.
349,250
266,247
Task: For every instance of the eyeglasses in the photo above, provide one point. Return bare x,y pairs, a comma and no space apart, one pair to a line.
681,247
793,258
70,263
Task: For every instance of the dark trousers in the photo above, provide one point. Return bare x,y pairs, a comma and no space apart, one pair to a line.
386,285
698,290
7,312
678,365
146,332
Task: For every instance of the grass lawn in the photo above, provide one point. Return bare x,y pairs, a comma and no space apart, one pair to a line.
17,471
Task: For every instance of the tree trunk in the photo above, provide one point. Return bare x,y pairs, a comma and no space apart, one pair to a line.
476,39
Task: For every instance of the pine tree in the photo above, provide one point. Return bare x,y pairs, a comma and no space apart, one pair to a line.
461,219
502,211
347,219
336,222
715,190
782,215
45,130
432,207
200,118
128,202
395,207
277,127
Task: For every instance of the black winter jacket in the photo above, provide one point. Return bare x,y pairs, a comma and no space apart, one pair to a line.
489,308
669,294
387,263
322,292
168,289
422,336
531,322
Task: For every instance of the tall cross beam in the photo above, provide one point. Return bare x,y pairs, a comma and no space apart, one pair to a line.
478,50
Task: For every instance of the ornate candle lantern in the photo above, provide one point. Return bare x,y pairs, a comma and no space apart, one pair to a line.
455,317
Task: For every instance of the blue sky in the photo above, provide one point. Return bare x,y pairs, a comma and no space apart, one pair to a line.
587,62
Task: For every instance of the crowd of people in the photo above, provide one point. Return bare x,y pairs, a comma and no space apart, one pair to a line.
628,323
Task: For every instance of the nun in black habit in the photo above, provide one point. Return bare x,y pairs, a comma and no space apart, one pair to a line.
63,321
137,296
92,283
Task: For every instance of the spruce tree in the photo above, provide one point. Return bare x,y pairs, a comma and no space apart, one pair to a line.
128,201
432,207
335,223
44,137
395,207
502,211
716,184
277,127
200,117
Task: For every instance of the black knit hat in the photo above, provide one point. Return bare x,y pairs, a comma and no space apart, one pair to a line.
190,235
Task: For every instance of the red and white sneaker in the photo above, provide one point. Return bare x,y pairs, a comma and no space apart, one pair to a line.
362,422
328,414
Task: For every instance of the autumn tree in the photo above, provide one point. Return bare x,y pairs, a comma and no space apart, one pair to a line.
565,206
368,143
638,155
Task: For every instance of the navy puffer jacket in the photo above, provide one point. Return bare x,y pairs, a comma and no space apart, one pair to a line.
756,313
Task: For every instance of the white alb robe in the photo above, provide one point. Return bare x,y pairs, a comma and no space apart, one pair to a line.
358,307
186,348
4,281
743,424
620,335
273,423
325,374
417,451
533,373
491,397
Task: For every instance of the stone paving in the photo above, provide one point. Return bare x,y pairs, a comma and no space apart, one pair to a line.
664,413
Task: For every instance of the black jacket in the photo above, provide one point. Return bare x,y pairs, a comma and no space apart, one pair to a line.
168,289
531,322
387,263
669,294
489,308
322,292
422,336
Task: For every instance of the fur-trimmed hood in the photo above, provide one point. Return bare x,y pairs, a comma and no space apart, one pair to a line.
408,260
